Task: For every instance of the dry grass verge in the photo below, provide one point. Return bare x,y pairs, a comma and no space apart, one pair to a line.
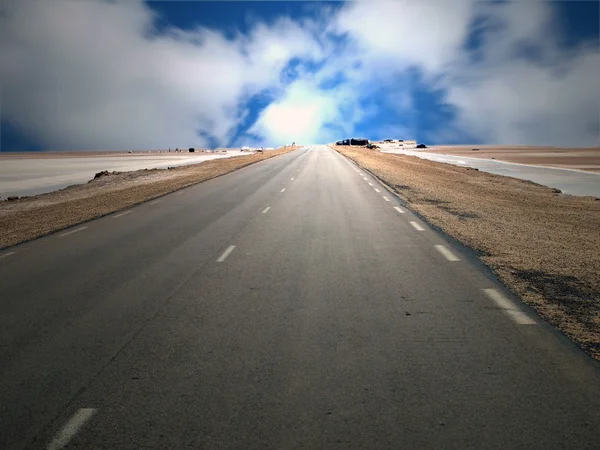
32,217
544,245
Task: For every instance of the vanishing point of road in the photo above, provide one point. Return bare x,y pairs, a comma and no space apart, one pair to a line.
294,303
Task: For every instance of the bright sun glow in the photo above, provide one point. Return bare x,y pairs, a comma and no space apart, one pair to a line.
294,120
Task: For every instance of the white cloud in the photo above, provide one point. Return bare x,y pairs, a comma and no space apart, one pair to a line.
549,96
426,33
524,104
93,74
301,115
507,98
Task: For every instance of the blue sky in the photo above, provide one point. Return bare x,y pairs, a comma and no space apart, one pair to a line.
128,74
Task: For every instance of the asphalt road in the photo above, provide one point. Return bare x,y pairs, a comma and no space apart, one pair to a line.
569,181
291,304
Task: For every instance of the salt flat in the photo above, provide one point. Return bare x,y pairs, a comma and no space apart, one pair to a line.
566,178
38,173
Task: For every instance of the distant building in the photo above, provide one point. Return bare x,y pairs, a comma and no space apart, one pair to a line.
359,141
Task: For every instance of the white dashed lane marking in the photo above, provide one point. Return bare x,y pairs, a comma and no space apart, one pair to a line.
386,199
446,253
7,254
154,202
417,227
71,428
509,307
292,179
121,214
73,231
400,210
226,253
266,209
283,190
377,190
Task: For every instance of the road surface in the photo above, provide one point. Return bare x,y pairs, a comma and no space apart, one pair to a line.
291,304
29,176
569,181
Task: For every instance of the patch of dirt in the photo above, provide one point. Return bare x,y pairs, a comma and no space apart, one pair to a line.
544,245
31,217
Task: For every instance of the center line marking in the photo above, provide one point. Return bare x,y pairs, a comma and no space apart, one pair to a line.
7,254
365,179
71,428
509,307
377,190
417,226
73,231
122,214
266,209
386,199
226,253
283,190
292,179
370,184
447,253
400,210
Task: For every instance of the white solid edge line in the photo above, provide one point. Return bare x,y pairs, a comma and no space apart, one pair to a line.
226,253
122,214
446,253
266,209
7,254
283,190
154,202
377,190
73,231
509,307
386,199
400,210
417,227
71,428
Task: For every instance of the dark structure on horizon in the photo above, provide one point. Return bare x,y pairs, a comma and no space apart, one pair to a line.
353,141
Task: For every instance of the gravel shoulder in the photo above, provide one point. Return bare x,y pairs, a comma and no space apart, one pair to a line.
31,217
544,245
